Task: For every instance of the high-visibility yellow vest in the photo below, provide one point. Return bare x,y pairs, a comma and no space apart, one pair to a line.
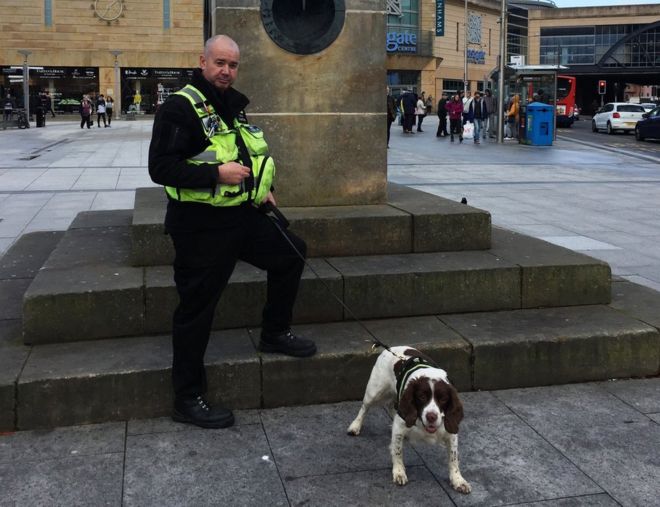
223,149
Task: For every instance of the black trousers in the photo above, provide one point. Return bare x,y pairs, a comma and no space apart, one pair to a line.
205,259
408,122
456,127
442,125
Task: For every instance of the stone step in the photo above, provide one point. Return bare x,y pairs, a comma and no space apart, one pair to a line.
411,221
119,379
89,290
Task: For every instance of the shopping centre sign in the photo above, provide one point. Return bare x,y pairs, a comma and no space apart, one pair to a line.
401,42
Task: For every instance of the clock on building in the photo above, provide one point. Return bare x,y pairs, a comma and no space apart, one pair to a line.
108,10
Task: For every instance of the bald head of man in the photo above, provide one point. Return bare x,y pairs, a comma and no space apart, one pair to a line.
219,62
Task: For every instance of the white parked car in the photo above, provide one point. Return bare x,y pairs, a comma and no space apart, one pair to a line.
648,106
617,116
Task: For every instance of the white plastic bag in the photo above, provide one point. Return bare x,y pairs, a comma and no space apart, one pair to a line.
468,130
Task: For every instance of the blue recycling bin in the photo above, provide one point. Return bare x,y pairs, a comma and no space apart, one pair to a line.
539,124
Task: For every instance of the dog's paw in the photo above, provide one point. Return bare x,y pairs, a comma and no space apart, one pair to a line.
354,429
399,476
462,486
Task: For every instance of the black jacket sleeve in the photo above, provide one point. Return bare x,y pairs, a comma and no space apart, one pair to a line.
177,135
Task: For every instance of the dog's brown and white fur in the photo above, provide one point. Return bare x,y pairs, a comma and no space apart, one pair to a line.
429,410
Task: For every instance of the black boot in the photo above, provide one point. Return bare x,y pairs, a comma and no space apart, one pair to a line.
287,343
198,412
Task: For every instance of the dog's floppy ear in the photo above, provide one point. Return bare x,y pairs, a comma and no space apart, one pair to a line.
453,411
407,409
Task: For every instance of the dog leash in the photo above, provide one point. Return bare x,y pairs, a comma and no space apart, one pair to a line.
281,223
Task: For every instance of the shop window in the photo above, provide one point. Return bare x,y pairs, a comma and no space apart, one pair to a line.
452,86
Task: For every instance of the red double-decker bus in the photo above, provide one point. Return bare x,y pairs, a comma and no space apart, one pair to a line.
565,101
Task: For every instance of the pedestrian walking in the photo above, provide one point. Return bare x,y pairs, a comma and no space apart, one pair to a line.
100,111
455,109
408,104
478,114
85,112
512,117
442,117
109,106
8,106
214,184
420,112
49,103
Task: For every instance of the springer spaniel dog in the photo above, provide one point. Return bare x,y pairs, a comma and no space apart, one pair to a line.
428,407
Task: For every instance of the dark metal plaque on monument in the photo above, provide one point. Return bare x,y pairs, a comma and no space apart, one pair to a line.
303,26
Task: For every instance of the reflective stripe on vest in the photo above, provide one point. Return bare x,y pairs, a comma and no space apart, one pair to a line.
223,149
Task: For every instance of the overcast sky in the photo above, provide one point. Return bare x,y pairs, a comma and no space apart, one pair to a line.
582,3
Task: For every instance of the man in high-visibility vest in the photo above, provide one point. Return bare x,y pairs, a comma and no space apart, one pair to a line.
216,170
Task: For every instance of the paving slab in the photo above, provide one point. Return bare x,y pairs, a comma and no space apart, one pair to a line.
553,275
297,436
243,299
637,301
106,380
367,488
507,462
641,394
602,500
556,345
88,480
57,443
606,438
233,466
28,254
440,224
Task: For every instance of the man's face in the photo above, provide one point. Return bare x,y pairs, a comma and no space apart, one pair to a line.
220,65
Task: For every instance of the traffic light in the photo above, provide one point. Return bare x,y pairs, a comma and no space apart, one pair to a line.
602,87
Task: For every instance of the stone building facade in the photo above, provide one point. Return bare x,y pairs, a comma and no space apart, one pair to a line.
71,42
437,63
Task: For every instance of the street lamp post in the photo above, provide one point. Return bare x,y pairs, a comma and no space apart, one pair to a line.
500,76
465,52
26,83
117,109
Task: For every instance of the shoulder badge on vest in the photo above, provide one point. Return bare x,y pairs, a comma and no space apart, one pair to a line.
242,117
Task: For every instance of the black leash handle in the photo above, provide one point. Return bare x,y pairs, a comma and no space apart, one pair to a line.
281,223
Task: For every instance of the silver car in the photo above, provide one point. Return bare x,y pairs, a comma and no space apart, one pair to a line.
617,116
